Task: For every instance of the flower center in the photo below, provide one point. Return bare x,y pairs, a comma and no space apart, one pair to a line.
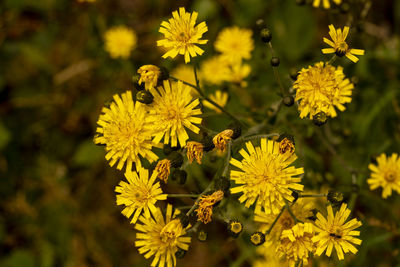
390,176
170,231
341,49
183,37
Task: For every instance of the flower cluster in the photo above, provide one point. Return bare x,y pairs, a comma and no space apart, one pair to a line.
158,132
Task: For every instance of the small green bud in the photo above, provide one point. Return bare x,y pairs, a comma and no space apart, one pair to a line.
266,35
144,97
335,197
320,118
257,238
275,61
202,236
288,100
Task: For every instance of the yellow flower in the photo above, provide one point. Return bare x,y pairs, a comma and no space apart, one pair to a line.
325,3
339,45
149,75
163,168
161,238
205,206
238,72
321,88
181,35
125,131
139,194
215,70
120,41
221,139
296,243
386,174
194,151
333,232
221,98
265,177
235,43
173,110
302,209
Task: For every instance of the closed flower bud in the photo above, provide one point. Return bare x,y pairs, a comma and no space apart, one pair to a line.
260,24
320,118
288,100
266,35
235,227
144,97
202,236
135,80
180,253
335,197
257,238
275,61
294,74
176,159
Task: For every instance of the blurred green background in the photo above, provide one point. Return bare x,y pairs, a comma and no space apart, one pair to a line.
57,201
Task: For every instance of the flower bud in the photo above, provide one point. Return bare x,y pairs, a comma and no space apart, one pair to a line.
136,85
202,236
294,74
235,227
320,118
335,197
257,238
288,100
266,35
144,97
275,61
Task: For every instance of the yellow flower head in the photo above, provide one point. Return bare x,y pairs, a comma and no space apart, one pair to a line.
149,75
238,72
205,206
139,194
194,151
265,177
221,98
339,45
221,139
125,131
321,88
296,243
163,168
215,70
181,35
334,232
326,3
386,174
161,238
235,43
302,209
120,41
173,109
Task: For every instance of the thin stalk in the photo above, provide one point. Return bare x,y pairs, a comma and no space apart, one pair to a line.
313,195
182,195
291,212
274,222
333,58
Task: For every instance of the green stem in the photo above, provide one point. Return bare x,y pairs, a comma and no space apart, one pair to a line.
228,157
274,222
332,60
313,195
182,195
195,75
276,72
291,212
258,136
